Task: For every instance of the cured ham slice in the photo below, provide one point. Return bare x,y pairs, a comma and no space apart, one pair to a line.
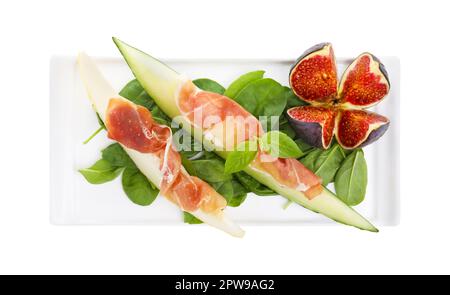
163,84
219,115
225,119
291,173
134,127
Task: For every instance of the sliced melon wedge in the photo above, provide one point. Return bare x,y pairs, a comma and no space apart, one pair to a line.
164,85
100,92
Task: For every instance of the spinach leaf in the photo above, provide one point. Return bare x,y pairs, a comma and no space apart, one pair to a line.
264,97
292,100
306,148
310,159
232,191
279,145
328,163
210,167
239,194
285,127
351,179
136,93
102,171
191,219
137,187
237,85
210,170
224,188
241,156
209,85
116,156
253,185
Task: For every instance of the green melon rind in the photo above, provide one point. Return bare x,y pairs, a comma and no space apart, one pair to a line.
163,84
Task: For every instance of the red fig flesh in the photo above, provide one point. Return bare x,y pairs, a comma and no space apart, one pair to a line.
313,77
315,125
358,128
364,83
337,111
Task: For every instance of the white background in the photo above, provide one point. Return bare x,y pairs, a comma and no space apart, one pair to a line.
416,32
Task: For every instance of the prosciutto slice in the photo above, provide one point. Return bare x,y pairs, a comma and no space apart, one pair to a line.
223,117
133,126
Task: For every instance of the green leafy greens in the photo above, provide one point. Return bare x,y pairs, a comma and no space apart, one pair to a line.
241,156
209,85
115,160
137,187
263,97
240,83
279,145
351,179
102,171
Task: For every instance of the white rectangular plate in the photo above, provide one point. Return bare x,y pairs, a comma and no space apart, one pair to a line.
72,120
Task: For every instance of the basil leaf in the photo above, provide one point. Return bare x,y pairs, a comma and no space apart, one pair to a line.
279,145
253,185
351,179
328,163
264,97
116,156
102,171
241,157
191,219
237,85
137,187
209,85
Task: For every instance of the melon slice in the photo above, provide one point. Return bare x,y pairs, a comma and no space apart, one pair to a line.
101,95
165,86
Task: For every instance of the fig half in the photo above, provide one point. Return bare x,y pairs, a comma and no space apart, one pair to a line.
313,77
358,128
337,110
315,125
364,83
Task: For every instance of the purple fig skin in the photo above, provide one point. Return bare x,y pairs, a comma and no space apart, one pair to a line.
382,68
310,50
309,132
375,134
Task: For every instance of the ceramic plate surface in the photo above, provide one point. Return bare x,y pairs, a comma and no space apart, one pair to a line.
75,201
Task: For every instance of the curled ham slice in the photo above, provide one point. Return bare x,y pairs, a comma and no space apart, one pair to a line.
290,172
133,126
209,111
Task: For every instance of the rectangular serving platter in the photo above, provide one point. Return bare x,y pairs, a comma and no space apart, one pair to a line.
72,120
